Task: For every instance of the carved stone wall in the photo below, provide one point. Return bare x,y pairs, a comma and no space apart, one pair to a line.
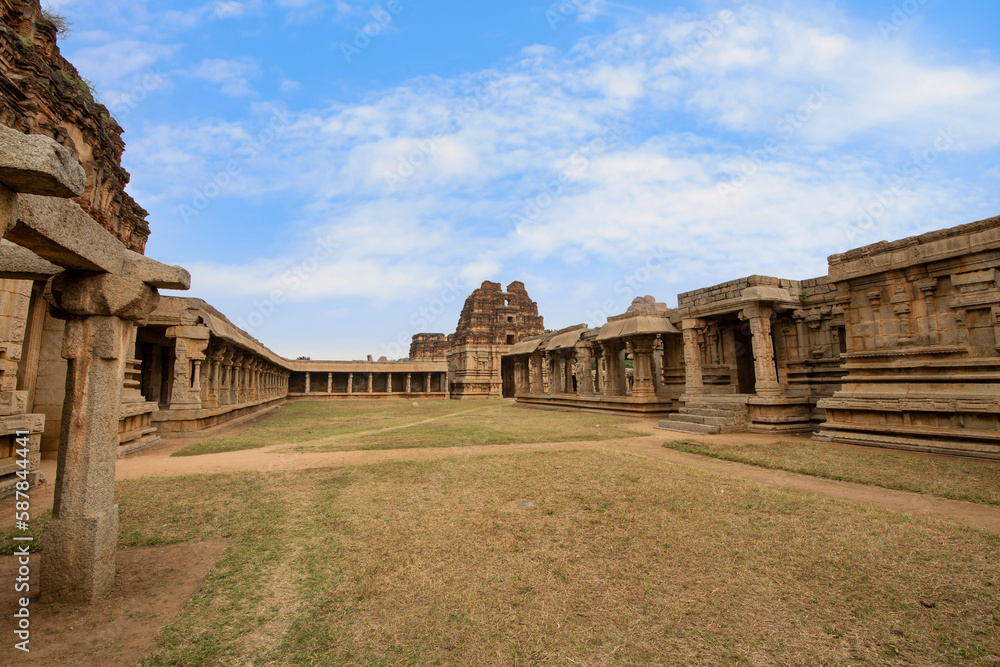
923,343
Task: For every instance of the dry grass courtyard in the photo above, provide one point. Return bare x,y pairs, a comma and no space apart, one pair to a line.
480,533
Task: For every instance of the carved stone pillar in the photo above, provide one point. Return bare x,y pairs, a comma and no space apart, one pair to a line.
371,385
759,318
535,383
308,382
408,383
80,539
427,387
552,363
584,376
388,384
598,377
234,377
642,353
350,383
214,380
694,382
255,380
613,368
189,352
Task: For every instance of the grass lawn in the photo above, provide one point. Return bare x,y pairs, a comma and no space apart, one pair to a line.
324,426
313,420
560,558
501,423
956,479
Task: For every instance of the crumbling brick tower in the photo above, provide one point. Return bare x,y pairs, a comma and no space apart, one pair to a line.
429,347
491,322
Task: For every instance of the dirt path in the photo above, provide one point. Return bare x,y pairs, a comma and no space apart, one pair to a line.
157,462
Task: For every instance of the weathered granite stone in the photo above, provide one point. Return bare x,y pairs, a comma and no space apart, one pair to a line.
154,273
61,232
79,558
36,165
18,263
80,293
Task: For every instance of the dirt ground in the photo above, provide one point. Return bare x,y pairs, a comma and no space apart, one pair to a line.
157,462
154,582
151,585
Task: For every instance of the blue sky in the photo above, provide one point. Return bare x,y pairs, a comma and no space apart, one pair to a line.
339,175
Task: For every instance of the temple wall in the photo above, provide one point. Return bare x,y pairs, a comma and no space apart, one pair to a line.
923,343
15,411
50,391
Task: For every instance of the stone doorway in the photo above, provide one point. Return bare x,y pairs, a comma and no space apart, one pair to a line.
507,375
746,375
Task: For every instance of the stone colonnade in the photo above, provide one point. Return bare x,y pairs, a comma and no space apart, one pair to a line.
367,383
595,365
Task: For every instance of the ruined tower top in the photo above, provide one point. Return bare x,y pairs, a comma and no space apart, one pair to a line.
494,317
429,347
42,93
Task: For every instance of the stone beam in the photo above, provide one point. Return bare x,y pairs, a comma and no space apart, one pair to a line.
18,263
155,274
36,165
60,232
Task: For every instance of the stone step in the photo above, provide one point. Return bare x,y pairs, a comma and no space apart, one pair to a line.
702,419
736,406
707,412
688,427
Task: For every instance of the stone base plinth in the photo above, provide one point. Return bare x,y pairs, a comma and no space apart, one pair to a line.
780,414
9,466
135,428
621,405
965,426
187,421
79,556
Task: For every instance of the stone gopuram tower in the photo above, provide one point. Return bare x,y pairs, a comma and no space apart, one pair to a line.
491,322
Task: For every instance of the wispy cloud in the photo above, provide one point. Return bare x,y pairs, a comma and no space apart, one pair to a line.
688,117
231,75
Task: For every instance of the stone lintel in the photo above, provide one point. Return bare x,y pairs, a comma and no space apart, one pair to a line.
156,274
101,294
60,231
19,263
35,164
194,333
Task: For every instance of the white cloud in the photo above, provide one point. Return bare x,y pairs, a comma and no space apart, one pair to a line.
824,118
225,9
232,76
114,64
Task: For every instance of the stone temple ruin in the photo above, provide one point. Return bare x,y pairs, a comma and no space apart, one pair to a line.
897,346
492,321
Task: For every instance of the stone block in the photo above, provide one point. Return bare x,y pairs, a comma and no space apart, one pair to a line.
34,164
20,263
61,232
84,565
